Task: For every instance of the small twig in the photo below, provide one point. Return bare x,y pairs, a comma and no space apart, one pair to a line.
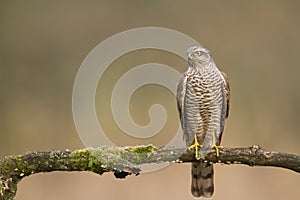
126,161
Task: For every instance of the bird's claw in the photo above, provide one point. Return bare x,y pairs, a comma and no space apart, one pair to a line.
217,149
195,146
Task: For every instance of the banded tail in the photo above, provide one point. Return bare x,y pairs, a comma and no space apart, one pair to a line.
202,179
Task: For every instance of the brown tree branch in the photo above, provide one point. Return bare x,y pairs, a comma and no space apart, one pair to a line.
128,160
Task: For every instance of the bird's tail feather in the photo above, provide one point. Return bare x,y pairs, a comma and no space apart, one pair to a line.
202,179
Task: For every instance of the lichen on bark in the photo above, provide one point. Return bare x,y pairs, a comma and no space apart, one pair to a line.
128,160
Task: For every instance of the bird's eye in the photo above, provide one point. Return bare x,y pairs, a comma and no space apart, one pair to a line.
198,53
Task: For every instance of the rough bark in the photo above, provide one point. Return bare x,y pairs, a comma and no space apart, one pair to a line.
128,160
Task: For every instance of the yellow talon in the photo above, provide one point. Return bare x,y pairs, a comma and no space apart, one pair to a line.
215,146
196,145
217,149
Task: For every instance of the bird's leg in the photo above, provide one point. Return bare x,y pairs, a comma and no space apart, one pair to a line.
217,149
215,146
196,145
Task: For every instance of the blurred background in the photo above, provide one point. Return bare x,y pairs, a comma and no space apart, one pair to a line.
257,43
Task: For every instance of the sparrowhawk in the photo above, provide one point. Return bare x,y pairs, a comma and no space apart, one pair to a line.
203,102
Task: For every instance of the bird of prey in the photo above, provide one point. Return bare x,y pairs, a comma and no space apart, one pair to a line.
203,102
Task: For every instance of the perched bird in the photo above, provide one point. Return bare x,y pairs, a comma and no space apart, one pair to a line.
203,102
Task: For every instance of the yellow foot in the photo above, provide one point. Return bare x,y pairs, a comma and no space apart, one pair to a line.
217,149
196,145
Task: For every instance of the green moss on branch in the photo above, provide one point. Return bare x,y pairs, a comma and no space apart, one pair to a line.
128,160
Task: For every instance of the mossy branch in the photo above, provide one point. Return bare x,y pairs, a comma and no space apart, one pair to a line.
128,160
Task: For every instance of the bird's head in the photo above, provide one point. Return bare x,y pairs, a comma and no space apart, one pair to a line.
198,55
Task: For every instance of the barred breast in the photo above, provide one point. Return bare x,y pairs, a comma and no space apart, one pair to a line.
205,104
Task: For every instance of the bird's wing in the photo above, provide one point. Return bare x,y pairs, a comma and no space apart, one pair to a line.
188,108
226,109
227,93
181,89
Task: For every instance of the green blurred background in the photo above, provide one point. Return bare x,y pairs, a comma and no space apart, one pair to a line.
256,43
